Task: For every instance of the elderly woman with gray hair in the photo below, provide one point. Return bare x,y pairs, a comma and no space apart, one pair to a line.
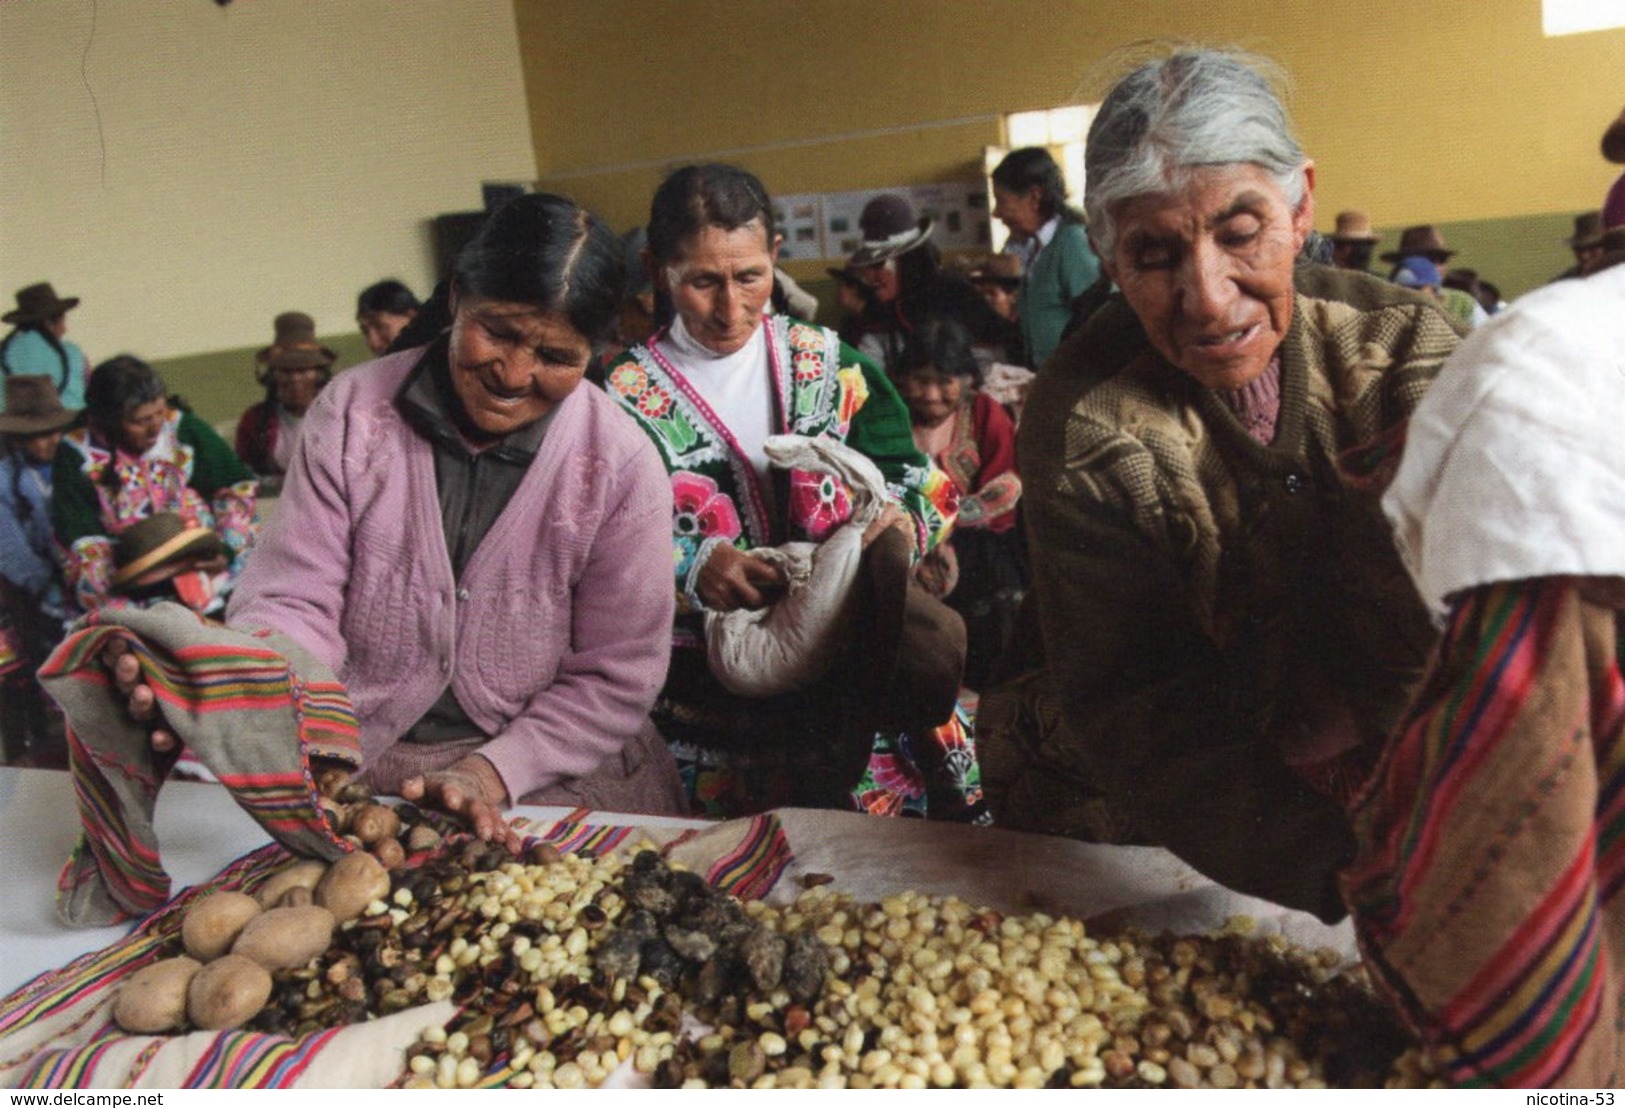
1229,632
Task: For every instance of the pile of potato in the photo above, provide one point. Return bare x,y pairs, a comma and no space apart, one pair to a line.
235,942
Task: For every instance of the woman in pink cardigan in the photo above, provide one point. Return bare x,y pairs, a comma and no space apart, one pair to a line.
480,548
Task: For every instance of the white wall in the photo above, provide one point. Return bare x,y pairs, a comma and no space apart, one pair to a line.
271,155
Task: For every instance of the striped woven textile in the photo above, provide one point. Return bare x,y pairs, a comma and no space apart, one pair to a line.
254,708
1486,889
752,868
57,1031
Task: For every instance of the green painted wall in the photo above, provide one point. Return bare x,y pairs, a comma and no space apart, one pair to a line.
1516,254
220,384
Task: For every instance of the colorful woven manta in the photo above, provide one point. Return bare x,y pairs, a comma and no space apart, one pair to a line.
1492,846
253,707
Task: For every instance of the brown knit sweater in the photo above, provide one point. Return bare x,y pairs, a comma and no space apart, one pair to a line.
1210,605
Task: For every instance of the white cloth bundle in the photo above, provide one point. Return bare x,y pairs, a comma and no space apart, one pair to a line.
793,643
1514,463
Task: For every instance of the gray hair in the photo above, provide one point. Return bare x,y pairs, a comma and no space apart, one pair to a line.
1195,108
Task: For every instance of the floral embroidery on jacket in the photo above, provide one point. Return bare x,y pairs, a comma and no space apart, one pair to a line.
716,489
700,511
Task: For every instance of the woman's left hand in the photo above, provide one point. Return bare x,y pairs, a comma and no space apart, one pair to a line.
471,790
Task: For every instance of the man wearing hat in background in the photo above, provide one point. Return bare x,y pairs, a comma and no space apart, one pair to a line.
35,345
1424,240
1586,242
1353,242
31,605
293,369
998,279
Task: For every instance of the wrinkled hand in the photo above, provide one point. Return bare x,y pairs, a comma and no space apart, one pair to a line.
471,790
890,516
139,700
732,579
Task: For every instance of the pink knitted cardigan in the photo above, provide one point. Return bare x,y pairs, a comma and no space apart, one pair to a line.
557,638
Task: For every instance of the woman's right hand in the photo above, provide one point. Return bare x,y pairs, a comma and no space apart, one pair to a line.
138,697
732,579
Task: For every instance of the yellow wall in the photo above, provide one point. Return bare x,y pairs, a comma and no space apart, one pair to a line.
282,153
1416,112
274,154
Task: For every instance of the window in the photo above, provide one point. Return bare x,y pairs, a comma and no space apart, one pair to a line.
1062,131
1571,17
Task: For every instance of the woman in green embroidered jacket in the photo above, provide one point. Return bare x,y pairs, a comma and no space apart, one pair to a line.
136,456
709,388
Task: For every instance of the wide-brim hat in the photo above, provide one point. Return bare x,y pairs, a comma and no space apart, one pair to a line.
33,407
1353,226
913,657
1613,140
890,227
1000,269
37,302
1423,239
295,345
1587,230
159,539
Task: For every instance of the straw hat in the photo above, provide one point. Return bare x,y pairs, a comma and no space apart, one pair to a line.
33,407
37,302
159,539
1353,226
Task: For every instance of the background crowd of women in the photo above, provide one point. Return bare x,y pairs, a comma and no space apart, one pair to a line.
93,450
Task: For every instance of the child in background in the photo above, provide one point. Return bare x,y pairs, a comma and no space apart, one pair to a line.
981,570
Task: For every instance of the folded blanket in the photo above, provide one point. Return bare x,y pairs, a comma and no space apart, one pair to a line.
253,707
